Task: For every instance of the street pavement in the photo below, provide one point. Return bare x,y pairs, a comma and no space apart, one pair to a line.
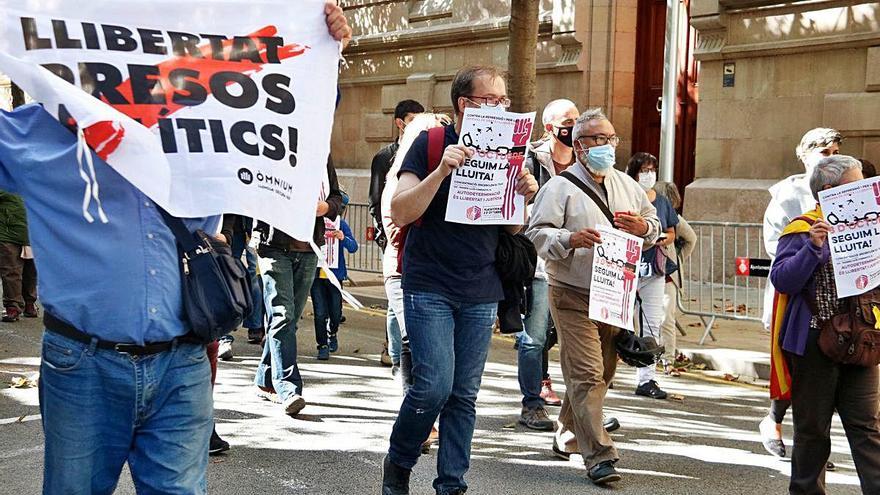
705,443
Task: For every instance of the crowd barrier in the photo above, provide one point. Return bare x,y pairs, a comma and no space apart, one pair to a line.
710,286
716,282
368,257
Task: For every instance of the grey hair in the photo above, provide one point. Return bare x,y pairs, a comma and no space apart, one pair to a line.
830,170
556,109
583,122
818,138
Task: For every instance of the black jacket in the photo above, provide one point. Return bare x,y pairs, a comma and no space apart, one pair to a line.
378,173
283,241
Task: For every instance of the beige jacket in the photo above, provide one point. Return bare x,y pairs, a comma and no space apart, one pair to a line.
561,209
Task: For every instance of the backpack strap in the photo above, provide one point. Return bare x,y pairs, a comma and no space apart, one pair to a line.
591,193
436,140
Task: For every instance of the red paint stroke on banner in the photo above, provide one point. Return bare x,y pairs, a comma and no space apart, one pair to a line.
149,114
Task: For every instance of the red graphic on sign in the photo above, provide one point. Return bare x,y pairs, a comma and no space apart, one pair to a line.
199,71
474,213
876,186
862,281
743,267
522,130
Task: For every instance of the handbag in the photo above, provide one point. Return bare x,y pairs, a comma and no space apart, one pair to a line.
852,337
515,261
216,286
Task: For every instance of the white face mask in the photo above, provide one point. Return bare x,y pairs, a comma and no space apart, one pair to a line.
647,179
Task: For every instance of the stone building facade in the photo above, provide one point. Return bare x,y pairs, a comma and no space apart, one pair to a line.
795,66
412,49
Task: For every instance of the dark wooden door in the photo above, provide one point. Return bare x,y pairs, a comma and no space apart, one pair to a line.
650,52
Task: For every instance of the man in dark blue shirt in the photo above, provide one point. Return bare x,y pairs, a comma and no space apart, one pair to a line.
451,293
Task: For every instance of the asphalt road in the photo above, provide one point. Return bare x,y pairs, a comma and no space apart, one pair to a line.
706,443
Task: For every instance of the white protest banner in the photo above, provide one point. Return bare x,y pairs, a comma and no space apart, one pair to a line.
853,211
483,189
615,277
206,106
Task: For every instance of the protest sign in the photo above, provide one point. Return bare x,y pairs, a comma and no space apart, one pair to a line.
853,212
483,189
330,248
207,107
615,277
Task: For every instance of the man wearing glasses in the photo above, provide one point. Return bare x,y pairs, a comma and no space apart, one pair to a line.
451,291
563,228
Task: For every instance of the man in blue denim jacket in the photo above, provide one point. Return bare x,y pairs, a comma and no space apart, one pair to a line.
119,380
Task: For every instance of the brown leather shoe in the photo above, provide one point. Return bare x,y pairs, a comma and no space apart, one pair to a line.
30,310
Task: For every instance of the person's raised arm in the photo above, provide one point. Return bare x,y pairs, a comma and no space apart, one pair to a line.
413,195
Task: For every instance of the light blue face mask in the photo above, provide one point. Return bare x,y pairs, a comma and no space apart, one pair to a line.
599,158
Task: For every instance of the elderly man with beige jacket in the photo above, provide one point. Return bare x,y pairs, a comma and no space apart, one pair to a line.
563,229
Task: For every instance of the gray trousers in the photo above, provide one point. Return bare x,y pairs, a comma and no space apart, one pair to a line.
820,387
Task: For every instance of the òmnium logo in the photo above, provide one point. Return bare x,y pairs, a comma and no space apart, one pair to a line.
245,176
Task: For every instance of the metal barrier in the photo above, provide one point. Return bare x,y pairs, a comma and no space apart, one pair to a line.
711,289
368,257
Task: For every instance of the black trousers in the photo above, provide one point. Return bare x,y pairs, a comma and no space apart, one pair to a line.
820,387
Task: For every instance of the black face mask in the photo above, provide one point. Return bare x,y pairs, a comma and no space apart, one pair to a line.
563,134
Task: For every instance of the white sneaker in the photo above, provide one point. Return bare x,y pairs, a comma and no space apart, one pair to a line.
224,350
294,404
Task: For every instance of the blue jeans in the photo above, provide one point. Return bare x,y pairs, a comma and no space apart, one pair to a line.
450,343
101,408
531,345
327,305
239,247
287,286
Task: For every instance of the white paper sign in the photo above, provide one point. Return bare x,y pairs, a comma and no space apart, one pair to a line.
330,249
853,211
483,189
615,277
207,107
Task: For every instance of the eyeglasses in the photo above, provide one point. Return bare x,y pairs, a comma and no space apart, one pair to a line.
490,101
600,140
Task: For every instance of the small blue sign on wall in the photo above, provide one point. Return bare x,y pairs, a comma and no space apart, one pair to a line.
729,75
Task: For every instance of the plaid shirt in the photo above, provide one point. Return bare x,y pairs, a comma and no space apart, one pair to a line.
827,303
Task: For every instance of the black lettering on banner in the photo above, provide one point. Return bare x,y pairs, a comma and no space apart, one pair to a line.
101,79
119,38
244,48
220,83
277,87
185,44
62,71
272,44
193,129
273,148
190,93
293,136
218,135
152,41
62,37
216,42
90,35
166,132
144,82
32,40
236,134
